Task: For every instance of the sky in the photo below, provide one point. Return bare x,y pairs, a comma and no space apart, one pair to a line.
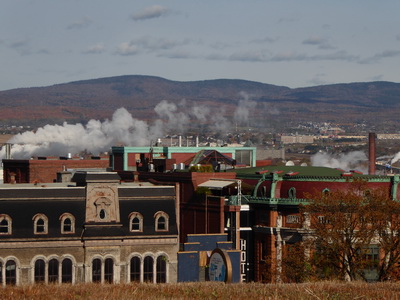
282,42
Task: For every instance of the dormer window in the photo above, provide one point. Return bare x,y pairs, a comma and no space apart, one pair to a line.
135,222
161,221
67,226
326,192
5,224
102,214
40,224
67,223
292,193
102,208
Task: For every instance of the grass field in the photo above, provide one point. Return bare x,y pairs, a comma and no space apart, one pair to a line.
320,290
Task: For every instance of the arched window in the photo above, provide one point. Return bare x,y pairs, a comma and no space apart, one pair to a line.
5,224
40,270
135,269
103,271
161,221
326,192
109,270
67,223
96,270
40,224
161,269
67,226
292,192
53,270
135,222
103,205
66,271
11,273
148,269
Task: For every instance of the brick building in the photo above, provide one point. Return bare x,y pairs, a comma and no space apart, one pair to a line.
45,169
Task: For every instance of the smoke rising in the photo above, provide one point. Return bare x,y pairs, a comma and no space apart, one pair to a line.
97,137
345,161
173,119
94,137
396,158
244,108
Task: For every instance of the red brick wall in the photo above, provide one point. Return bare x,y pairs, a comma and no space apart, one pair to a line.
118,161
304,187
45,171
182,157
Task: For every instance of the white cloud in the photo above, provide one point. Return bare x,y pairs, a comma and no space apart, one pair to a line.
266,39
127,49
150,12
293,56
21,46
377,57
377,77
179,54
318,80
150,45
252,56
95,49
321,42
79,24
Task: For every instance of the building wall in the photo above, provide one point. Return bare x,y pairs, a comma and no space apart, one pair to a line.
294,139
275,212
109,236
45,171
181,154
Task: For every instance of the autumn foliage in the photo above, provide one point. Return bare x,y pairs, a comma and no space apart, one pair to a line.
349,235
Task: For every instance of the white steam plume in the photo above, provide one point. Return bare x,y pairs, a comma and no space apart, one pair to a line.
94,138
174,119
345,161
200,113
395,158
244,108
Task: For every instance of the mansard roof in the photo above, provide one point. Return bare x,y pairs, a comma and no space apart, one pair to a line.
23,202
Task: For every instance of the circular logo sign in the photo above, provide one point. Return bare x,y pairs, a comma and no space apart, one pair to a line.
220,267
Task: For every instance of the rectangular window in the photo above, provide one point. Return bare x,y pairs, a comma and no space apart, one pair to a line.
293,219
323,220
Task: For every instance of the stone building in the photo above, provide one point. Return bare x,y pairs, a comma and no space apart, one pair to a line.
95,229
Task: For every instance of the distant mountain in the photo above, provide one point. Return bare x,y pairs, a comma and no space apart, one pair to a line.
80,101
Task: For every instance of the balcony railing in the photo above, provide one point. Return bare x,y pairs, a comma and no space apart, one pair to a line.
246,199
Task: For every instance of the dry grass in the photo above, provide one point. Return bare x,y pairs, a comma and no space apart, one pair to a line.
320,290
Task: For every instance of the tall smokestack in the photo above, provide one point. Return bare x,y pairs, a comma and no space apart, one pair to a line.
372,153
8,151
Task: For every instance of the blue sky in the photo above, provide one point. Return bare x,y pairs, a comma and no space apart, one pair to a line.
289,43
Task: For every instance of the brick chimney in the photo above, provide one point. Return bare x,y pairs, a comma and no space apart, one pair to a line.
372,153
